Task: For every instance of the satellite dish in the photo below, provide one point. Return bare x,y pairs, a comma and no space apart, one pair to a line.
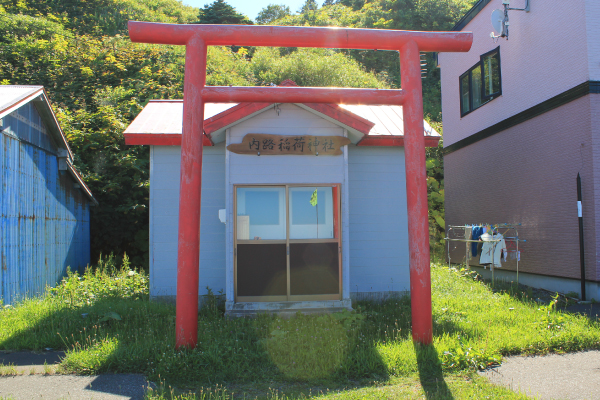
498,21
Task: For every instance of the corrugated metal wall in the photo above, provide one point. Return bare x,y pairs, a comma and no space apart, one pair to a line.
44,219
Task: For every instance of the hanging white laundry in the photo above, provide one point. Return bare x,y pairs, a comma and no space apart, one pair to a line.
488,246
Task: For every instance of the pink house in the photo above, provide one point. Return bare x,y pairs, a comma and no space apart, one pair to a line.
521,119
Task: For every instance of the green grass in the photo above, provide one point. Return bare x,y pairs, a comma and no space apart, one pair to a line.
453,386
106,323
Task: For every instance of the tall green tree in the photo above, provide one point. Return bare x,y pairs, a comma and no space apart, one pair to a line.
355,4
219,12
271,13
309,5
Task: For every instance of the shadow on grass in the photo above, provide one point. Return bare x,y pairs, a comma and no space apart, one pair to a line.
430,373
443,325
137,336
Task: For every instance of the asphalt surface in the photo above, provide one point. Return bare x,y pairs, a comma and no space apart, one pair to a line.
73,387
30,375
573,376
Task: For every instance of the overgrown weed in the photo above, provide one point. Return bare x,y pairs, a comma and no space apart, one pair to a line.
213,305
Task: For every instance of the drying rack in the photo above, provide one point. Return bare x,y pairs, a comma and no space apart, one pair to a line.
462,233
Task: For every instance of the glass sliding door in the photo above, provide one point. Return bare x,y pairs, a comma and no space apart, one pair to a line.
287,243
261,245
314,247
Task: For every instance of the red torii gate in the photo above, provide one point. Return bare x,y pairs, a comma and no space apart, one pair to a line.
196,38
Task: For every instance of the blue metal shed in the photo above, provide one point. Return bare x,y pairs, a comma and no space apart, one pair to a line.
44,203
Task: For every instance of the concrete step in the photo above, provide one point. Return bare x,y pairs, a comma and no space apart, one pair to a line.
286,308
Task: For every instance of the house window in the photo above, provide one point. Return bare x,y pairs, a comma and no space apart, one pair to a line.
481,83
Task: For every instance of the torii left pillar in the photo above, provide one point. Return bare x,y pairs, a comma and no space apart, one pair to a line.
196,38
190,193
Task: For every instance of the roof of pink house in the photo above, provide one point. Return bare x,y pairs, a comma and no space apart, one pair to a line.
160,122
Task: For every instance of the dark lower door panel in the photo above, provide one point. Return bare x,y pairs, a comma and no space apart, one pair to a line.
314,268
261,270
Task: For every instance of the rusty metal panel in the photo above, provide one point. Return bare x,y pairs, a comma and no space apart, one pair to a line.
3,225
10,216
50,219
44,218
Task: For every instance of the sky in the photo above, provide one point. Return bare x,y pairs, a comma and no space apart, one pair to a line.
250,8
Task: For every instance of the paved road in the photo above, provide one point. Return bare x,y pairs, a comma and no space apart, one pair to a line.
27,378
574,376
73,387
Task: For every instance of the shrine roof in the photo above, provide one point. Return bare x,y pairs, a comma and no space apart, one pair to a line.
161,121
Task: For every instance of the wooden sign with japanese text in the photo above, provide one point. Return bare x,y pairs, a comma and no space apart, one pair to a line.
265,144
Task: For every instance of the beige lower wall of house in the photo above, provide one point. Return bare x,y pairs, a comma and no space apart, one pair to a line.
527,174
553,284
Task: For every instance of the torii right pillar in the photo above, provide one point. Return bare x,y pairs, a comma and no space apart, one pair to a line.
416,194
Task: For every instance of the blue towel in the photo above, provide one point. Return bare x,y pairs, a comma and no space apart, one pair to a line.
476,233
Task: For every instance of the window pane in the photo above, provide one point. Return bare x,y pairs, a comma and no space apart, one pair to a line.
311,217
491,68
261,270
476,86
261,213
464,92
314,268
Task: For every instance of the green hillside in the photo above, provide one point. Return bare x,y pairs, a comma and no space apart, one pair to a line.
103,17
99,81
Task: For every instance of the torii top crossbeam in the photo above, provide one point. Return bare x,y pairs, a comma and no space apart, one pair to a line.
294,36
196,38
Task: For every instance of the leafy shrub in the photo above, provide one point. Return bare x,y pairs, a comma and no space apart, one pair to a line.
105,281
